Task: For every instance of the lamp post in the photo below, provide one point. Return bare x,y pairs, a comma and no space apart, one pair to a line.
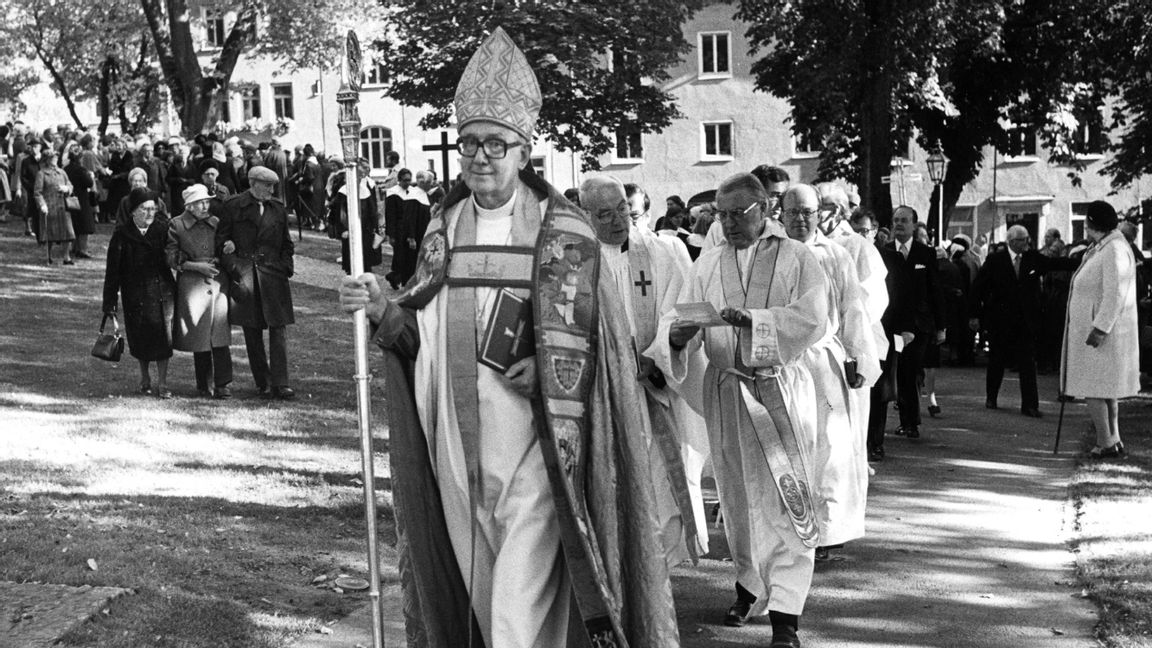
937,164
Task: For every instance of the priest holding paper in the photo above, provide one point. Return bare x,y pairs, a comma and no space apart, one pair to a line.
649,272
842,363
524,504
759,401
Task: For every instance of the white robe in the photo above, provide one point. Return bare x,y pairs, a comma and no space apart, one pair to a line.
841,464
670,266
515,576
770,559
871,273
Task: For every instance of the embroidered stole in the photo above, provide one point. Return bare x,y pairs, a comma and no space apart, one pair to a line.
560,274
766,408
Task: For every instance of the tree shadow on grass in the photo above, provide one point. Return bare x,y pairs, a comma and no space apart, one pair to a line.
333,478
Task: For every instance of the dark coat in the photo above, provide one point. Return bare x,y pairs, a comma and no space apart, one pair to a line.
260,295
1007,304
137,272
119,166
914,300
338,226
84,220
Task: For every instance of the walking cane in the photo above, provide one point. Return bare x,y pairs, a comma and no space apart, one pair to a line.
348,97
1059,424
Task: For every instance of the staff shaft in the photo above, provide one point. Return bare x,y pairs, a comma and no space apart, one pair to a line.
348,97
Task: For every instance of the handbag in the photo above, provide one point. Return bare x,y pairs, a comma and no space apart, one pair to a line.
72,203
109,346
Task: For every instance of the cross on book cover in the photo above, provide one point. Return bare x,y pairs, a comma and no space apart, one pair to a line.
509,336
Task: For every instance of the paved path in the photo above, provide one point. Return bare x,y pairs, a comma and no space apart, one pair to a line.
34,615
965,547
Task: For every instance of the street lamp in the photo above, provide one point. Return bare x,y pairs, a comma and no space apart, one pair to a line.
937,164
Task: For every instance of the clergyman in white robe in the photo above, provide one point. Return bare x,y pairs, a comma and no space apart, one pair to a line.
668,264
772,562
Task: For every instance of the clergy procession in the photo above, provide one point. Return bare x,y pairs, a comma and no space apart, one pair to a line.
560,376
772,414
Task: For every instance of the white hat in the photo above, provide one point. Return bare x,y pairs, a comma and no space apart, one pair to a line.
195,193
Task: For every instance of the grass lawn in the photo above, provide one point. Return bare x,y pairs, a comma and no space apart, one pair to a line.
229,519
1112,501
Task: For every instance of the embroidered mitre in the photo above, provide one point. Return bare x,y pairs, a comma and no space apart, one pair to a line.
499,86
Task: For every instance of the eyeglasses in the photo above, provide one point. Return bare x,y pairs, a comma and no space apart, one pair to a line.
494,149
736,214
608,215
801,213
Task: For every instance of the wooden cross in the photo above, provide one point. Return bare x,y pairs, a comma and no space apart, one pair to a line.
643,284
444,147
516,335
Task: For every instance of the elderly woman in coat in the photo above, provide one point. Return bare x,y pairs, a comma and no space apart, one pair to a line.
1101,338
83,217
138,179
201,299
51,190
138,273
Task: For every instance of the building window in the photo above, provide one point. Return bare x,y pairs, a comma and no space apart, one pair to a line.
375,142
629,146
374,74
538,166
282,101
715,54
1089,138
1021,142
805,144
214,25
1079,212
250,100
717,140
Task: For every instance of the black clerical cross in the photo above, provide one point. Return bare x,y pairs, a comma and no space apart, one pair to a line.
643,284
444,147
516,336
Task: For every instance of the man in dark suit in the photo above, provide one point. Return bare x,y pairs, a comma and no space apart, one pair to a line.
884,391
1005,303
915,314
257,253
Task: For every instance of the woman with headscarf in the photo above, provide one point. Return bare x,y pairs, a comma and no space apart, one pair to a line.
137,273
201,298
1100,361
51,191
83,183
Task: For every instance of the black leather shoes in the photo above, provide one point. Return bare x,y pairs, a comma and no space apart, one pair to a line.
990,404
784,640
912,432
738,614
1031,411
876,455
284,393
223,392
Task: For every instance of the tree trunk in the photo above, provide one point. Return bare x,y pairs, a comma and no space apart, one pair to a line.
107,70
875,148
61,86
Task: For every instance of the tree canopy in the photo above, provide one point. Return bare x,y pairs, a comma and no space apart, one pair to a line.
599,63
865,75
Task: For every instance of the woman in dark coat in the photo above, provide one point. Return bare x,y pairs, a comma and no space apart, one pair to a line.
138,273
83,183
28,167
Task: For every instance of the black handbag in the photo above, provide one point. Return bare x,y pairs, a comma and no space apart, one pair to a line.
109,346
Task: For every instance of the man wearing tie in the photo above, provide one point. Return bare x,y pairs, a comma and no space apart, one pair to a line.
1005,302
915,314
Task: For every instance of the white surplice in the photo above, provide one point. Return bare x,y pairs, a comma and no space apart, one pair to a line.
670,265
516,578
841,464
770,559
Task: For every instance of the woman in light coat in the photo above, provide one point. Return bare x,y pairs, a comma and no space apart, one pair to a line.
201,299
1101,341
51,191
